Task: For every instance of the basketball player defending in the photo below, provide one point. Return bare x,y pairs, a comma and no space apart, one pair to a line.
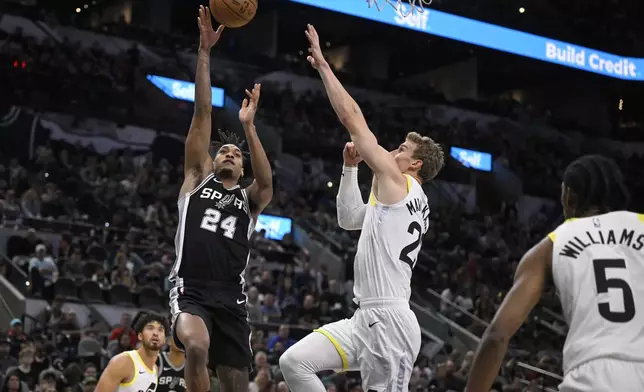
596,260
136,370
216,219
382,339
171,367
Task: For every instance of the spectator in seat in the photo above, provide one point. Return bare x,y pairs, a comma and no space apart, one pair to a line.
73,267
281,337
9,206
262,382
270,312
120,345
25,372
89,384
265,285
125,326
286,293
335,294
90,371
447,296
47,380
12,383
6,360
253,305
16,335
325,315
100,278
30,202
43,269
308,316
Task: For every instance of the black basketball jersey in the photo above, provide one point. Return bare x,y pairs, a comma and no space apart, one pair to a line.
212,241
171,378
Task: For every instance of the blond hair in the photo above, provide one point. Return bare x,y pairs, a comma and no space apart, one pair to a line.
428,151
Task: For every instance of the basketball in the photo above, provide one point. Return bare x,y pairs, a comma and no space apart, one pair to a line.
233,13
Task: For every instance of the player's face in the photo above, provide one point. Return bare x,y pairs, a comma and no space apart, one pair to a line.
153,336
403,156
229,162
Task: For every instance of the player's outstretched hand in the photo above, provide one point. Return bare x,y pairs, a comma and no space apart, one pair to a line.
316,58
351,155
208,37
249,105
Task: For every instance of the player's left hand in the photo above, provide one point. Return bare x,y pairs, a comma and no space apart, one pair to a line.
249,105
316,58
207,36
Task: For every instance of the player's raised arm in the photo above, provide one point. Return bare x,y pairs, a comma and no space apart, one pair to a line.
197,157
350,115
529,281
351,208
260,192
119,370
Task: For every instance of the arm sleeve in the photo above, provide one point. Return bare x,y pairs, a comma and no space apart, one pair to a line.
351,208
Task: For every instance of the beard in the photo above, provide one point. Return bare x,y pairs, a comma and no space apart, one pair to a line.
151,346
225,173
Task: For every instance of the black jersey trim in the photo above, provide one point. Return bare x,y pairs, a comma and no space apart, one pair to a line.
166,361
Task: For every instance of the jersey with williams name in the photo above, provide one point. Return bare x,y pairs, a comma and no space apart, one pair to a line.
389,244
598,267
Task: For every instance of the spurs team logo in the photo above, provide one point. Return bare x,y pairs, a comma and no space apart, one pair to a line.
222,200
225,201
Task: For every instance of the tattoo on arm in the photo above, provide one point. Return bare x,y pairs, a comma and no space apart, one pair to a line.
232,379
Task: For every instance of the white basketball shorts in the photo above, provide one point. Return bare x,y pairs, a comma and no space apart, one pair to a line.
382,340
605,375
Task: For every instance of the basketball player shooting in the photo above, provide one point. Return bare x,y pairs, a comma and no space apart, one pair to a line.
596,262
382,339
212,243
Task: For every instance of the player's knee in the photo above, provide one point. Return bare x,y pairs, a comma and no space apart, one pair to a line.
197,349
291,361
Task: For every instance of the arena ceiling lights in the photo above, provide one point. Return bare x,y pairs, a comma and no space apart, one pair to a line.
491,36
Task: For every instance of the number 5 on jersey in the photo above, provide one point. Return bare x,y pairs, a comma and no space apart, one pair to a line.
605,283
211,221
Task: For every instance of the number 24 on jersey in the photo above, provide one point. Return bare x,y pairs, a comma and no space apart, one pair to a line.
212,222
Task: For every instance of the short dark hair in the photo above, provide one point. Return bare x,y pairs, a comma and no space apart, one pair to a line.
597,183
226,137
149,317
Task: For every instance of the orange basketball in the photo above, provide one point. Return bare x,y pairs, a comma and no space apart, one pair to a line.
233,13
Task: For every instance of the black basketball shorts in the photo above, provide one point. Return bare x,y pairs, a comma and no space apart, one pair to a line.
223,310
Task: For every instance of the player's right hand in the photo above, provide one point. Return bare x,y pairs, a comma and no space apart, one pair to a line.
208,37
316,58
351,155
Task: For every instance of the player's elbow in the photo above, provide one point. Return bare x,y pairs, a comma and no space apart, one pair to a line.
350,116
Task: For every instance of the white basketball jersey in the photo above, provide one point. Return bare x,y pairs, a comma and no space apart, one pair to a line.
389,244
144,379
598,269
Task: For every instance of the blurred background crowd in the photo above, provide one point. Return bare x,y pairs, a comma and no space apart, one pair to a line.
91,165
